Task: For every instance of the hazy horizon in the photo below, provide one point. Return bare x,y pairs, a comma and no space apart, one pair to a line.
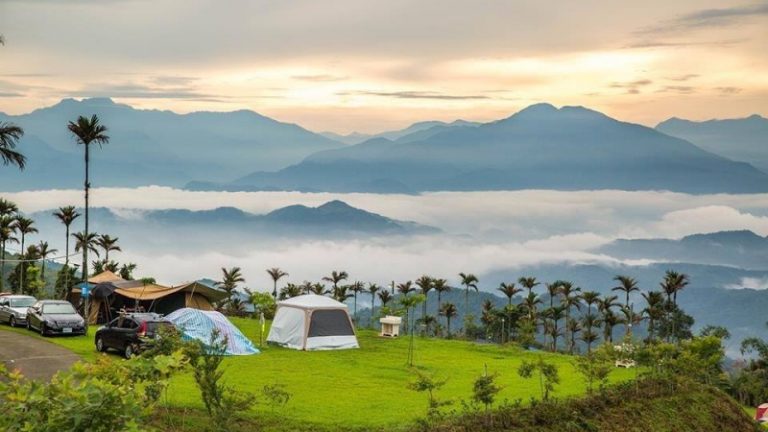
380,66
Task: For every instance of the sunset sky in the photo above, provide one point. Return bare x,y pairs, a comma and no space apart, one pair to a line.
359,65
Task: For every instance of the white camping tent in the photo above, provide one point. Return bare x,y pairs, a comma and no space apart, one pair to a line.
312,322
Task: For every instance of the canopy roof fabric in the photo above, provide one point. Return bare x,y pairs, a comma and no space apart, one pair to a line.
197,324
105,276
312,301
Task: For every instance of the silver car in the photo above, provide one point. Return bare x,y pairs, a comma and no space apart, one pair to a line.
13,309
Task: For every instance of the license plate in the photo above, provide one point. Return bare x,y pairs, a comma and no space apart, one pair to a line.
66,330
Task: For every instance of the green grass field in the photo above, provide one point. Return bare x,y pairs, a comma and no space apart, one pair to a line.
369,385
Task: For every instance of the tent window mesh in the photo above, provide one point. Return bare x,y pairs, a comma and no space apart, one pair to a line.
330,323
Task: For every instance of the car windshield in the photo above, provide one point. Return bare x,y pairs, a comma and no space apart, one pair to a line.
22,302
58,308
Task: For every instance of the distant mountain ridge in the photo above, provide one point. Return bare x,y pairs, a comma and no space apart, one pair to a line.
154,147
333,217
743,139
743,249
541,147
421,129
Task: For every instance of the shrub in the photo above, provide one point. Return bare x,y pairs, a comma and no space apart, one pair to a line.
222,402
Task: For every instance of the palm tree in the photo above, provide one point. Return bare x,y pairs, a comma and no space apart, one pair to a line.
654,311
449,311
531,301
609,319
336,277
44,251
10,134
590,298
67,216
385,297
306,287
230,278
340,293
356,288
373,289
87,132
528,283
126,271
589,322
509,290
106,242
630,319
469,281
80,245
553,289
440,286
571,298
8,208
24,226
318,289
405,288
7,235
289,291
572,326
673,283
555,314
627,285
276,274
425,284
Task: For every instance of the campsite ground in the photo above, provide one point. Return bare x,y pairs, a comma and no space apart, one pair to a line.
367,387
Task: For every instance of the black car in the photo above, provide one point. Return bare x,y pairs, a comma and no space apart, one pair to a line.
130,333
51,317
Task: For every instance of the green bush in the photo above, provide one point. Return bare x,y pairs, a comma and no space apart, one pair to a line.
104,396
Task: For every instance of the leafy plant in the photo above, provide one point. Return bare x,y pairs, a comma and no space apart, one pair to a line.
547,372
222,402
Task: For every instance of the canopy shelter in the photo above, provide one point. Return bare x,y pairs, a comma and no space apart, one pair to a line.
312,322
109,297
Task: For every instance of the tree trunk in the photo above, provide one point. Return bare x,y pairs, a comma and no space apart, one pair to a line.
22,266
85,246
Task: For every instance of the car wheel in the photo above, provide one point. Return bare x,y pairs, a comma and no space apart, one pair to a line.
12,322
42,329
129,351
100,347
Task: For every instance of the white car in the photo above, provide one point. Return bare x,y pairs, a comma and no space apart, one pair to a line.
13,309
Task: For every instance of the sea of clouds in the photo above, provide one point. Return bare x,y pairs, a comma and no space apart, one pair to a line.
482,231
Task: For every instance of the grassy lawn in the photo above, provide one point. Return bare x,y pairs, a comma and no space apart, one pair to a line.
367,385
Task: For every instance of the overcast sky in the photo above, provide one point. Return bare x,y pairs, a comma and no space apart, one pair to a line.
347,65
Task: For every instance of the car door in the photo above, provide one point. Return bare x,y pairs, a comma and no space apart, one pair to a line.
108,333
4,315
125,332
33,315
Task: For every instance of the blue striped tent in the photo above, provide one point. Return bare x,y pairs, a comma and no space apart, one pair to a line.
198,324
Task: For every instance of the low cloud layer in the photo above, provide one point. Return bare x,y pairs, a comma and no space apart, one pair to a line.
483,231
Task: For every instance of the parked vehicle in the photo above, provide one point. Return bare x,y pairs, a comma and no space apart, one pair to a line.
13,309
130,333
51,317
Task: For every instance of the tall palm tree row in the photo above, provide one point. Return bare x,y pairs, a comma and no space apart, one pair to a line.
87,132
